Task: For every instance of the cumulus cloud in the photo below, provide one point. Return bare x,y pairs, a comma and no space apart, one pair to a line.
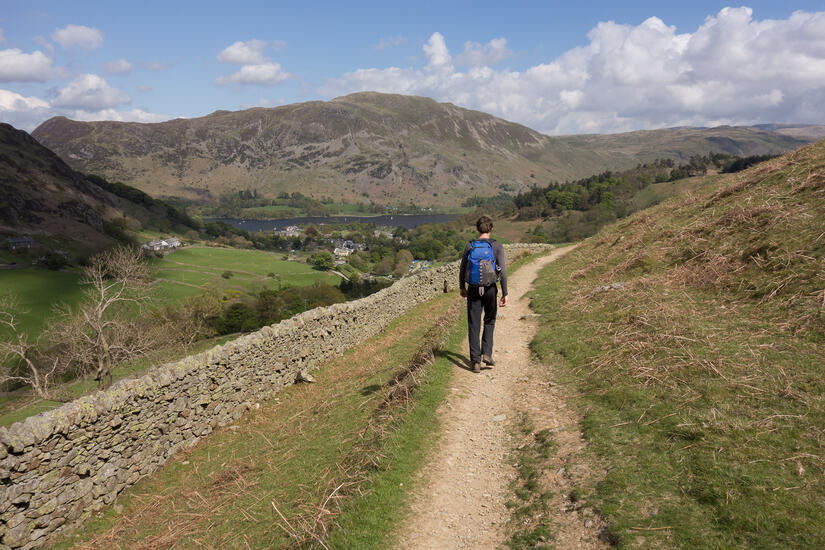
477,55
733,69
256,68
12,101
78,36
244,53
385,43
263,74
25,67
118,66
21,111
28,112
133,115
90,92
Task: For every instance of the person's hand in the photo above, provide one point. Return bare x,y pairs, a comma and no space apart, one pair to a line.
503,301
463,292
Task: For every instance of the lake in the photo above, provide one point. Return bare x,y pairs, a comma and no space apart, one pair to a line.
408,221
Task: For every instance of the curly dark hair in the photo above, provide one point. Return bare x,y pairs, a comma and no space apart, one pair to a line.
484,224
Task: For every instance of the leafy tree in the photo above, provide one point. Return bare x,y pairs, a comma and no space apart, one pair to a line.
321,260
403,259
384,266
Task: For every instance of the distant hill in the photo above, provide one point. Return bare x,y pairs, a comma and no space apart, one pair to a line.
41,196
369,146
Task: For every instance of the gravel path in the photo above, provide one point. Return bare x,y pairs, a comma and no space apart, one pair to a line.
460,500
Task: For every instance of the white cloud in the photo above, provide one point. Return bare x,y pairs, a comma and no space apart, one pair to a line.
28,112
134,115
256,69
90,92
476,55
11,101
22,112
438,56
78,36
733,69
384,44
24,67
118,66
263,74
244,53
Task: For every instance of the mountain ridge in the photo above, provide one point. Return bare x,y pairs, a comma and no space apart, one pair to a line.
369,146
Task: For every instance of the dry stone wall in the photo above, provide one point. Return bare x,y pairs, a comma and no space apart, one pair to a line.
60,466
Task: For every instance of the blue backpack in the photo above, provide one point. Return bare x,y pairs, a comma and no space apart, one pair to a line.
481,264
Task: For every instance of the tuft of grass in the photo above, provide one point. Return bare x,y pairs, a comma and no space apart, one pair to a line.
531,526
694,332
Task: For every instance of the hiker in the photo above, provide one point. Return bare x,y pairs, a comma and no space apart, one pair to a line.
482,264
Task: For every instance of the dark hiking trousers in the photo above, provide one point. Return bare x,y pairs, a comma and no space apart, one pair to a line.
475,305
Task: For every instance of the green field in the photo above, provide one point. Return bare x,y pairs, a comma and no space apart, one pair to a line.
191,270
38,290
185,273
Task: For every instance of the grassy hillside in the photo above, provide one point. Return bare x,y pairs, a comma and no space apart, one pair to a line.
386,148
693,334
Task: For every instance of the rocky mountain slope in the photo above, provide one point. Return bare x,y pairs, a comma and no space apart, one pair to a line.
369,146
41,196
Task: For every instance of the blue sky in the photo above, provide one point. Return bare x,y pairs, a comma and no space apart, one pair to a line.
559,67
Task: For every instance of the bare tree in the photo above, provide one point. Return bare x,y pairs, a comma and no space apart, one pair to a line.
105,328
20,357
185,325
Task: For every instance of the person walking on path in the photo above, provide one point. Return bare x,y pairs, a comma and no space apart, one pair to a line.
482,264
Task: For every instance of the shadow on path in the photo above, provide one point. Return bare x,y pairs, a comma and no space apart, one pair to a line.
457,359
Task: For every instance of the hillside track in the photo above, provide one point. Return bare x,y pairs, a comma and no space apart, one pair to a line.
460,502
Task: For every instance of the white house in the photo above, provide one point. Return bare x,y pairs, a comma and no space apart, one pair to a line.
169,243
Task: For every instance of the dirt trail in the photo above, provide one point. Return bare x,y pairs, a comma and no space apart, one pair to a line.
460,502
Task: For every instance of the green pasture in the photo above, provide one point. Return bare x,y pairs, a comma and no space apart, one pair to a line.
38,290
191,270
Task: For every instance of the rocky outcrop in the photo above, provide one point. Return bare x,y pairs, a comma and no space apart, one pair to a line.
61,466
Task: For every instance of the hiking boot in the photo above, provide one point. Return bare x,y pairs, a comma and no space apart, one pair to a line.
476,367
488,360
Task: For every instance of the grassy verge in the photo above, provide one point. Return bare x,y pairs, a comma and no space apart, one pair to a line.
371,520
224,492
534,528
694,334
